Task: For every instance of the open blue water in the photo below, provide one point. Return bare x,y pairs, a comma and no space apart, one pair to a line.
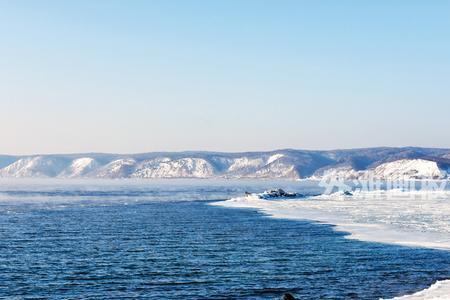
123,243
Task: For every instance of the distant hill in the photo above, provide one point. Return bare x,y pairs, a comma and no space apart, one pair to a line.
383,162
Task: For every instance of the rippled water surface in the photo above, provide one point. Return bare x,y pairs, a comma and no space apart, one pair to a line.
164,241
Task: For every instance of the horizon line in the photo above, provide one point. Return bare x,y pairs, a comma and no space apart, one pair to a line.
228,152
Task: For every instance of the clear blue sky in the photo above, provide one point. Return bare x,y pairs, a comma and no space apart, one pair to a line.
135,76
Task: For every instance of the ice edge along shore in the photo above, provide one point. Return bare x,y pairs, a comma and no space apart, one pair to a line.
415,219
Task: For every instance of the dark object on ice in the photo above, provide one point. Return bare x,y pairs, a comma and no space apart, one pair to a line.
278,193
347,193
248,193
288,296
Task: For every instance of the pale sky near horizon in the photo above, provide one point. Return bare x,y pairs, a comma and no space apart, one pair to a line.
138,76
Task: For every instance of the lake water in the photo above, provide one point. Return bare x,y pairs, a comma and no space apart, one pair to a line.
162,240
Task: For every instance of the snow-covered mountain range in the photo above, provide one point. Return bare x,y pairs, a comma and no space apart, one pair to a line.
382,163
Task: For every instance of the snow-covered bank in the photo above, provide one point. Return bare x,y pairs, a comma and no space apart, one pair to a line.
415,218
438,291
405,218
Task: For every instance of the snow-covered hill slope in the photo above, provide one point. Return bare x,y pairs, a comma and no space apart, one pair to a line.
385,163
277,169
120,168
265,166
79,167
179,168
245,165
404,169
409,168
35,166
339,172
